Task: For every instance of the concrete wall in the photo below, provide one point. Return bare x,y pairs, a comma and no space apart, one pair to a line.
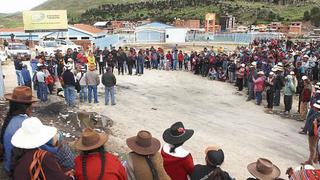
176,35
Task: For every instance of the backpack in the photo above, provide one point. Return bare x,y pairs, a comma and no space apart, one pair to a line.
35,169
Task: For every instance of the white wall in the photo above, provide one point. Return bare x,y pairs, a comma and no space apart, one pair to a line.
176,35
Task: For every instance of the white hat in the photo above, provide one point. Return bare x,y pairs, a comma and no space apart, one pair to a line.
280,64
260,73
68,66
304,77
317,104
32,134
70,59
271,73
306,56
317,87
254,63
39,64
292,73
243,65
318,83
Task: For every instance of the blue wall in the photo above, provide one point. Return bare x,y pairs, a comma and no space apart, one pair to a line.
106,41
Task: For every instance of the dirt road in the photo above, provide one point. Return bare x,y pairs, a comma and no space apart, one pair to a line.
213,109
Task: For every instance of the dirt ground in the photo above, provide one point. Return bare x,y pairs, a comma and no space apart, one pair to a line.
217,113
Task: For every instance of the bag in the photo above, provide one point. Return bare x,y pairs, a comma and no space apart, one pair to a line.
78,87
306,174
49,80
35,168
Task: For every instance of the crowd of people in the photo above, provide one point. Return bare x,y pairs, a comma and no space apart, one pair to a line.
33,150
281,69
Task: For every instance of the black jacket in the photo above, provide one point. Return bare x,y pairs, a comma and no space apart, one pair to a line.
68,78
200,171
108,79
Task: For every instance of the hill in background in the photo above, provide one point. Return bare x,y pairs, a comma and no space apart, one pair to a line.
246,11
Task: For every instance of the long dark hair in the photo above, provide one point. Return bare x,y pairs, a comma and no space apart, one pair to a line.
216,174
84,162
153,170
15,109
174,146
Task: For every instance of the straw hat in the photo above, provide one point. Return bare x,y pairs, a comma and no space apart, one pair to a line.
32,134
21,94
177,134
90,140
144,143
264,169
260,73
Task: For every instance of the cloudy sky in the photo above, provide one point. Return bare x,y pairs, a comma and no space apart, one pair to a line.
11,6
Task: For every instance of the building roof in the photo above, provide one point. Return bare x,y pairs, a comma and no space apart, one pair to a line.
157,25
88,28
18,29
101,23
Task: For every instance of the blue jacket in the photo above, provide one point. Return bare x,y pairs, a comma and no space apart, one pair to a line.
26,75
13,126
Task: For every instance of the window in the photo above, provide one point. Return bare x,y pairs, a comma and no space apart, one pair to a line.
73,38
167,35
85,38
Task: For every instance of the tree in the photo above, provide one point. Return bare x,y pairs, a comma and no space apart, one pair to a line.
306,16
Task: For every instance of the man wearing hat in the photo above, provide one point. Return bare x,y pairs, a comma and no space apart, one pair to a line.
145,162
278,85
92,80
259,86
252,74
69,86
212,169
263,169
42,88
240,75
18,68
305,97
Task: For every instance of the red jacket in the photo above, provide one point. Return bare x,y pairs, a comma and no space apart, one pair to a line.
258,84
180,57
177,165
113,168
306,95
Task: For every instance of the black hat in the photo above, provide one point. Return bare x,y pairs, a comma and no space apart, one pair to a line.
177,134
214,155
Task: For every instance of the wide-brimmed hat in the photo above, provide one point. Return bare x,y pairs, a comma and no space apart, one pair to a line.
21,94
214,155
292,73
304,78
90,140
305,56
177,134
144,143
32,134
260,73
92,67
264,169
271,73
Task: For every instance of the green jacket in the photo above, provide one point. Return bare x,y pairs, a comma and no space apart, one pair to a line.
289,88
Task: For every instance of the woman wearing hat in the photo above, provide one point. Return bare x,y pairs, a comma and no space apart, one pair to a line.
212,170
93,162
259,86
263,169
20,108
29,161
178,162
145,162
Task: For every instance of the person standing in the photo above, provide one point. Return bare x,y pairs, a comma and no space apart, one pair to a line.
289,91
278,85
240,76
42,88
91,59
109,81
81,78
270,91
69,86
305,97
121,57
180,59
259,87
140,63
26,76
93,80
102,62
145,162
313,136
252,74
18,68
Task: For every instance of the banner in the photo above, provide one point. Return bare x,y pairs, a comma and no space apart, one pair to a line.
45,21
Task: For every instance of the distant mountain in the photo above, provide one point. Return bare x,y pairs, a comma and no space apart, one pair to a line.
246,11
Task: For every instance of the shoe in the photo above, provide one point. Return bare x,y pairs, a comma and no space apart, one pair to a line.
96,102
302,132
113,104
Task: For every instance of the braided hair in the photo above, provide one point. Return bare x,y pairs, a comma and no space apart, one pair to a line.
15,109
174,146
85,154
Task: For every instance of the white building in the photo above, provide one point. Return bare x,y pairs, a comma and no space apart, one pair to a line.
176,35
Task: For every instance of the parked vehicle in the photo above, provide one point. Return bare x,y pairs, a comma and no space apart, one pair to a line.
67,44
49,47
15,49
